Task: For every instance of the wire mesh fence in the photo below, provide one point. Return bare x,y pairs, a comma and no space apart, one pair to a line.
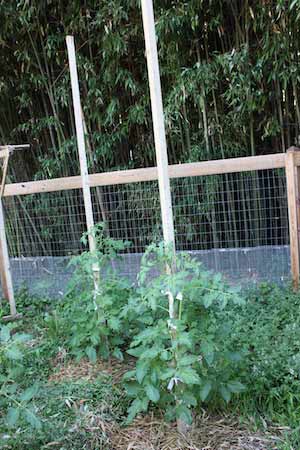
234,223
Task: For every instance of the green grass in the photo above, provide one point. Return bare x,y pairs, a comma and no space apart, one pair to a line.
268,330
73,412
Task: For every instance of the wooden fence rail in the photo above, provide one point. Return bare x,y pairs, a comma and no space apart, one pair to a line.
215,167
290,161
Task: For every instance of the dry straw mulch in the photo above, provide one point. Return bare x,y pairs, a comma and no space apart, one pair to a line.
84,369
207,433
151,432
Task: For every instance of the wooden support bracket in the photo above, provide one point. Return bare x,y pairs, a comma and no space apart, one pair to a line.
11,317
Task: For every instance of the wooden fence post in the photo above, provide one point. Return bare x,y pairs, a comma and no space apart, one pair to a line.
294,215
5,272
158,123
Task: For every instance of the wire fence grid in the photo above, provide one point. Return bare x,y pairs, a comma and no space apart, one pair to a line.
234,223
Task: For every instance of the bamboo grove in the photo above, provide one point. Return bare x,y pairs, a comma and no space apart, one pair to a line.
230,79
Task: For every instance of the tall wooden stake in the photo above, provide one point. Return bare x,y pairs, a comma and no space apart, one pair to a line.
293,207
158,122
81,143
160,148
5,272
82,154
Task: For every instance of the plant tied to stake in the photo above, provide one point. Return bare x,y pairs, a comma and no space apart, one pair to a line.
103,333
182,358
169,322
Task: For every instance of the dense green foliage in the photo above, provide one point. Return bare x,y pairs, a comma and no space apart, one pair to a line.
229,71
167,323
182,357
268,331
14,399
96,322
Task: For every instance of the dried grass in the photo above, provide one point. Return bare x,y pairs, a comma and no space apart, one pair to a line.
207,433
151,432
84,369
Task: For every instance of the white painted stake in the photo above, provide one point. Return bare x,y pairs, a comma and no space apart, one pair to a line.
82,155
158,122
6,279
81,141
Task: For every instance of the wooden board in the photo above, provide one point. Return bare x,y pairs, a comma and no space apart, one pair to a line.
215,167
